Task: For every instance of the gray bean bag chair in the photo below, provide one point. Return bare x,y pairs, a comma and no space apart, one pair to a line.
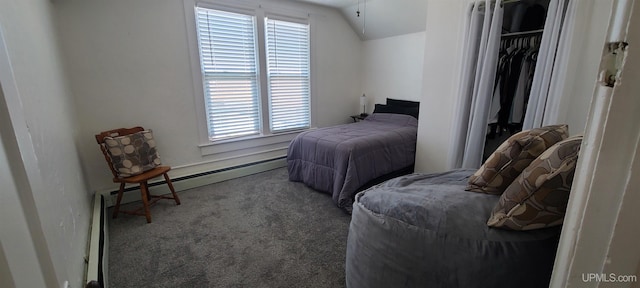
426,231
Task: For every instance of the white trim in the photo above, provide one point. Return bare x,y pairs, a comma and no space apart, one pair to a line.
97,227
619,23
235,7
30,260
255,152
312,65
239,146
194,168
268,13
597,226
18,255
260,11
263,84
587,160
196,75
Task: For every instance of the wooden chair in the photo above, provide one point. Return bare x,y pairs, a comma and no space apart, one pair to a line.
141,179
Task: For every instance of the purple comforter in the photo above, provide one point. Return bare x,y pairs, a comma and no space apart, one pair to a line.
340,159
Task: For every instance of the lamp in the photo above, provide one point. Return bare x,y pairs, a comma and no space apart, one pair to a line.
363,103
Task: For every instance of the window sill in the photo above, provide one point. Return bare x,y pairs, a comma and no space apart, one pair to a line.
249,145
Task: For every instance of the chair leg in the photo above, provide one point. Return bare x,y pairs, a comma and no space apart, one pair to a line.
149,194
144,190
117,208
173,191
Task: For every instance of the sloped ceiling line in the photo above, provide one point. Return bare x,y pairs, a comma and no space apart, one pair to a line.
384,18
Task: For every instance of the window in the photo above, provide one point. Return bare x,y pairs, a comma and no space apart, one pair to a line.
232,77
228,63
288,73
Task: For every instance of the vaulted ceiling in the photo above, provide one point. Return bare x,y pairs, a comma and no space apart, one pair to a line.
380,18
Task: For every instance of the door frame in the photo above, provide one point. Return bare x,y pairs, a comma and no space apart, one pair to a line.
24,247
601,219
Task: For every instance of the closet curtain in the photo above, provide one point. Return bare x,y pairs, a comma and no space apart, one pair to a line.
480,58
546,89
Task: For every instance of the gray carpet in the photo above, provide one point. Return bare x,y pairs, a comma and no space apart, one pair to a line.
255,231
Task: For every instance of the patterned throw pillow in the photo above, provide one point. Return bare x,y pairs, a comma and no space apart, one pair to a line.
513,156
132,154
538,197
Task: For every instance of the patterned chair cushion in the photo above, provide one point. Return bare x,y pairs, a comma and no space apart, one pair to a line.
132,154
513,156
538,197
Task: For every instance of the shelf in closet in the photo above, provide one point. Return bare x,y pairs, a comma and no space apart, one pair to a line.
523,33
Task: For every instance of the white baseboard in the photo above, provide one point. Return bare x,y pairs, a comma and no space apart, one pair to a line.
196,180
98,250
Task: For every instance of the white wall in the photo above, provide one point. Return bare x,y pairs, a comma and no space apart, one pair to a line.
392,68
50,181
440,81
21,256
128,64
443,43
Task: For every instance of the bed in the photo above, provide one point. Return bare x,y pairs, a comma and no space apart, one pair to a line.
425,230
339,160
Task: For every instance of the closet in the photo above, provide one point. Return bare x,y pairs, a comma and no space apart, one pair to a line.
513,52
521,35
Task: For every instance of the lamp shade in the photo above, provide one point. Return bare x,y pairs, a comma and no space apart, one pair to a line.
363,100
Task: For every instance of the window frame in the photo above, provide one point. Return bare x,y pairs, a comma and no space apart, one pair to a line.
266,139
268,82
230,74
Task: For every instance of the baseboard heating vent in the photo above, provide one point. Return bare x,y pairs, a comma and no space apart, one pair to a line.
97,262
200,179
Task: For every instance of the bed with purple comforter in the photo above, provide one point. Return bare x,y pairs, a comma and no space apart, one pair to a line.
340,159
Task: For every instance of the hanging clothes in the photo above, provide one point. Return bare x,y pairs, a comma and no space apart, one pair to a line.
514,75
518,107
497,76
512,86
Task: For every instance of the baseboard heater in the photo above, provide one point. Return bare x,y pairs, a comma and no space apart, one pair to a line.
203,174
97,260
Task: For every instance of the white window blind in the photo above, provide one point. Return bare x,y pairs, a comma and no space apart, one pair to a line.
230,79
288,74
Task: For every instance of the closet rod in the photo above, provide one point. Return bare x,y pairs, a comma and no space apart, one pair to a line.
525,33
510,1
503,2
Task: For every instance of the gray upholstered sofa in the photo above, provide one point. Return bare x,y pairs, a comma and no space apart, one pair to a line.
427,231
